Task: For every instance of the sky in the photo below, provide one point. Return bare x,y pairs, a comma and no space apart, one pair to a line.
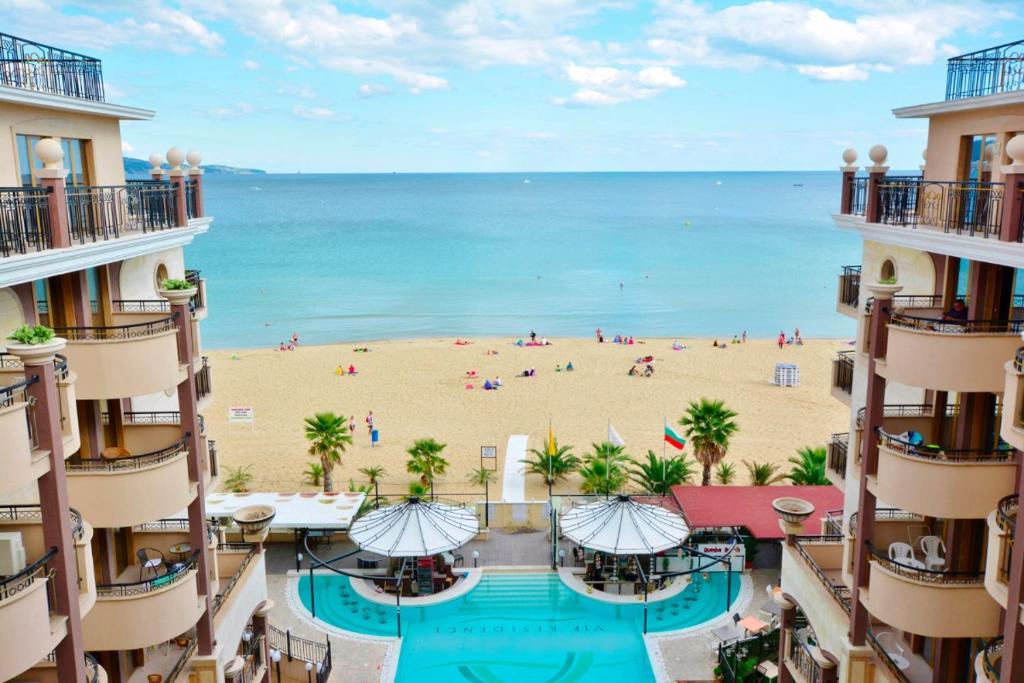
521,85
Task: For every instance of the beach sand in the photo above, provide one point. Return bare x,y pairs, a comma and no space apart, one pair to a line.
417,389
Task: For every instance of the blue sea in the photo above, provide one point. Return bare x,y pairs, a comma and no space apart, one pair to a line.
361,257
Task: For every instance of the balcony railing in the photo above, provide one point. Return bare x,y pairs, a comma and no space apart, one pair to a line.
18,393
965,207
958,326
212,526
33,513
24,219
1001,453
211,449
313,652
193,278
842,371
909,301
104,212
932,576
1018,360
839,592
204,387
250,553
130,462
177,572
149,417
986,72
253,654
191,192
837,448
119,332
885,515
1006,518
992,658
858,195
886,659
39,570
799,653
35,66
141,306
849,286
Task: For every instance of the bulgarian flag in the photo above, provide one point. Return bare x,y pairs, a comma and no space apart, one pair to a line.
674,439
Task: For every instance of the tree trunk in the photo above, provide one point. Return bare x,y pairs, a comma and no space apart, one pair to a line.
706,479
328,475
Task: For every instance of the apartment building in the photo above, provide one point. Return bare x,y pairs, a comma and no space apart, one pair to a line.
109,566
918,577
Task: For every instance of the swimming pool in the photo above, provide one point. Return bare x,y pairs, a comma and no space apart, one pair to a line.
520,627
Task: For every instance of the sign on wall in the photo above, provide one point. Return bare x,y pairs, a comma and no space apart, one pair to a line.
739,556
240,414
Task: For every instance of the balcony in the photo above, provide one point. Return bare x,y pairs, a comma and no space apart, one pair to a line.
1011,428
894,659
986,72
823,555
842,376
1002,525
35,66
124,360
965,356
989,660
948,483
198,302
804,659
134,613
836,464
848,293
892,525
45,671
935,603
204,384
24,460
130,490
898,418
242,587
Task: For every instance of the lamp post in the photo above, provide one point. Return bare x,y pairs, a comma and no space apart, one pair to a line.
476,557
561,556
275,657
489,462
309,672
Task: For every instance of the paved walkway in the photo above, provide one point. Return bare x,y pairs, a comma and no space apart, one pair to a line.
513,483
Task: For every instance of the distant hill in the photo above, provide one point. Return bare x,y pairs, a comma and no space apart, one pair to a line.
139,168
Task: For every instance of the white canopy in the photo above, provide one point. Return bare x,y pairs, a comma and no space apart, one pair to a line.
621,526
415,528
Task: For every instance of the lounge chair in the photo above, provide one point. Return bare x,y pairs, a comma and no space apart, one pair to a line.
149,558
931,545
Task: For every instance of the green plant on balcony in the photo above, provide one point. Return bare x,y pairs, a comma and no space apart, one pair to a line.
173,285
238,478
39,334
887,281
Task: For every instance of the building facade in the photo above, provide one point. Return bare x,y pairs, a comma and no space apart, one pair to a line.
109,566
918,577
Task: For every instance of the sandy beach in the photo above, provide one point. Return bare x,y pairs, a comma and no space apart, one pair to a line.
418,389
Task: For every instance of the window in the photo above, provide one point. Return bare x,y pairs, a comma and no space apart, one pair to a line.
75,159
980,157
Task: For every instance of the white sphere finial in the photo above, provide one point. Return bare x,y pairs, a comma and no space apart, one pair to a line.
194,158
50,152
878,154
174,157
850,156
1015,149
155,162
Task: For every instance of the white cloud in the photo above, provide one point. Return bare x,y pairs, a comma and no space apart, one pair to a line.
250,65
314,113
238,109
126,148
846,72
605,86
373,90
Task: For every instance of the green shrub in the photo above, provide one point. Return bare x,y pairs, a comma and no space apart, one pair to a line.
40,334
171,284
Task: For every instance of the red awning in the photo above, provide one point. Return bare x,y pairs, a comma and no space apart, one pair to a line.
751,506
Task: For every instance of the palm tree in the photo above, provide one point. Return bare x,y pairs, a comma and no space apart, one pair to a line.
725,473
373,475
367,503
425,460
328,435
481,476
553,467
417,490
764,473
315,472
809,467
658,475
709,425
602,477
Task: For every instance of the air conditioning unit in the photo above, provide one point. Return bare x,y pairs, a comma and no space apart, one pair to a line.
12,553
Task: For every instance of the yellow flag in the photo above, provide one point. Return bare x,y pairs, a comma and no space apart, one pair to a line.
551,439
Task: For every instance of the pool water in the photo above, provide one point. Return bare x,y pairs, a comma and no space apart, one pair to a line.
520,628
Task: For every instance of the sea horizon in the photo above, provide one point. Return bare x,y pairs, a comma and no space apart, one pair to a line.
674,254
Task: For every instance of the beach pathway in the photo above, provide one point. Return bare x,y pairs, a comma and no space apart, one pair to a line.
513,483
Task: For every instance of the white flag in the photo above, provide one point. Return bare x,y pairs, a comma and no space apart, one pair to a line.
613,436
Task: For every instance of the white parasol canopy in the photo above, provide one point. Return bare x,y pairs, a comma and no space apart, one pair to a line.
415,528
622,526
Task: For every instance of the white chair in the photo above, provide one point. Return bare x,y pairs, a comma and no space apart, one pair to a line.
901,552
931,546
895,651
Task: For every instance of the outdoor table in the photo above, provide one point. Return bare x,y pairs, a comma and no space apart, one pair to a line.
769,670
752,624
181,549
726,632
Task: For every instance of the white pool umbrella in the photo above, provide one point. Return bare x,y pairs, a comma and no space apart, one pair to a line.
415,528
622,526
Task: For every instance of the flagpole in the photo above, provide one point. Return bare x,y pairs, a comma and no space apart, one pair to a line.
663,456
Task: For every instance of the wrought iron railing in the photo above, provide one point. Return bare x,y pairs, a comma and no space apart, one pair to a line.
849,286
250,553
965,207
92,669
10,586
170,524
839,592
1018,360
992,658
858,195
253,660
917,573
103,212
884,515
833,523
18,393
842,371
799,653
986,72
179,666
909,301
885,657
191,190
1006,518
837,448
174,574
957,326
120,332
33,513
193,278
24,220
204,386
999,453
148,417
129,462
141,306
35,66
909,410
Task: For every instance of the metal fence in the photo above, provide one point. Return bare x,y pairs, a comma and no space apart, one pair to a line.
103,212
961,207
849,286
986,72
24,220
303,649
35,66
842,371
837,449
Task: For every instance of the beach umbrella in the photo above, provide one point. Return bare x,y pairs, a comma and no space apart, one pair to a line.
415,528
622,526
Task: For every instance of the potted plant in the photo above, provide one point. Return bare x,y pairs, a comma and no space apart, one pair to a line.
37,343
254,519
178,292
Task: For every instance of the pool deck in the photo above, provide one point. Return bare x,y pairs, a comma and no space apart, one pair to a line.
674,656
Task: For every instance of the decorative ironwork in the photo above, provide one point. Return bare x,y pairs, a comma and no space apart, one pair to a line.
1000,453
886,659
141,306
131,462
842,371
837,449
103,212
191,190
179,666
250,552
204,386
901,301
152,417
24,219
34,513
35,66
839,592
118,332
858,195
1018,360
1006,514
962,207
193,278
986,72
992,658
935,576
305,650
884,515
849,286
16,583
909,410
942,326
800,655
176,573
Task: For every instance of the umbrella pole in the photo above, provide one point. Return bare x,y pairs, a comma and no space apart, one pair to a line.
312,591
398,607
646,583
728,588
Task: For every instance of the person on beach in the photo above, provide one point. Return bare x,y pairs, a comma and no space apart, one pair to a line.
351,424
369,423
295,338
487,385
533,371
533,336
497,381
743,337
782,340
282,347
351,369
599,335
796,336
558,367
291,347
569,367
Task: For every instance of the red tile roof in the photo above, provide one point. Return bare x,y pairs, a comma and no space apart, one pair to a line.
751,506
